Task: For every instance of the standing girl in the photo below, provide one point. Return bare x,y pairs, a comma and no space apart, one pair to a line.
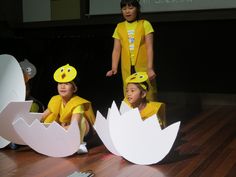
133,43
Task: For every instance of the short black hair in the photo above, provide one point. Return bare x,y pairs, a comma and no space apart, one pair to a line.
134,3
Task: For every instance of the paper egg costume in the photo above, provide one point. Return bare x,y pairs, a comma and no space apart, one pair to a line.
125,134
20,126
10,72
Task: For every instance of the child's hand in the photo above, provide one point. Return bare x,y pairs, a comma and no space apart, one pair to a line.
110,73
151,74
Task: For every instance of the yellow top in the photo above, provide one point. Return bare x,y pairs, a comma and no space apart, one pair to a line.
75,105
79,109
152,108
140,53
131,28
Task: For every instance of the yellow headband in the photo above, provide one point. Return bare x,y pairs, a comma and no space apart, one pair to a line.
65,73
139,78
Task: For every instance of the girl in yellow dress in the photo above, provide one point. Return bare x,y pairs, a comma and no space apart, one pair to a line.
133,43
136,97
67,106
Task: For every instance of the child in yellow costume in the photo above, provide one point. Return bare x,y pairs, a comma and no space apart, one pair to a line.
67,106
133,43
136,92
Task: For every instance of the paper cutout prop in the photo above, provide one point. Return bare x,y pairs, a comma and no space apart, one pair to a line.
52,140
124,107
3,142
28,68
65,73
12,112
102,128
23,127
12,84
140,142
20,126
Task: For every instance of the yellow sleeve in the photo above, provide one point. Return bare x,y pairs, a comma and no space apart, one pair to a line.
79,109
147,27
115,34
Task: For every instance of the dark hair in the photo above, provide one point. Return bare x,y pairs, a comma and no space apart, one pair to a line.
134,3
141,88
146,84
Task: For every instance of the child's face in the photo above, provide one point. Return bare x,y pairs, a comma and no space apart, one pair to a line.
129,12
134,94
65,90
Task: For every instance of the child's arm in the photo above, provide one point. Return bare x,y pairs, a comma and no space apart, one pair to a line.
115,57
149,45
45,114
77,116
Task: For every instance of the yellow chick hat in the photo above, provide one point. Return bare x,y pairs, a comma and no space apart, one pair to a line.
65,73
139,78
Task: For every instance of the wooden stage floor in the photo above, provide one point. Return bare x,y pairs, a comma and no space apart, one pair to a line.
205,147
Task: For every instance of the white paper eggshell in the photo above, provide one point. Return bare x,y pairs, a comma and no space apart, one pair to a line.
12,112
101,127
12,84
140,142
3,142
52,140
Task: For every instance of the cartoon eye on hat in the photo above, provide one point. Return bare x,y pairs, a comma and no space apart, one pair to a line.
65,73
139,78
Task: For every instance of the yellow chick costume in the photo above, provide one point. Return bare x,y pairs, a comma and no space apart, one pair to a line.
54,106
140,54
151,107
62,114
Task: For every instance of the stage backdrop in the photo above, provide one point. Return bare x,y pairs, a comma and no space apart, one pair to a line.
105,7
50,10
